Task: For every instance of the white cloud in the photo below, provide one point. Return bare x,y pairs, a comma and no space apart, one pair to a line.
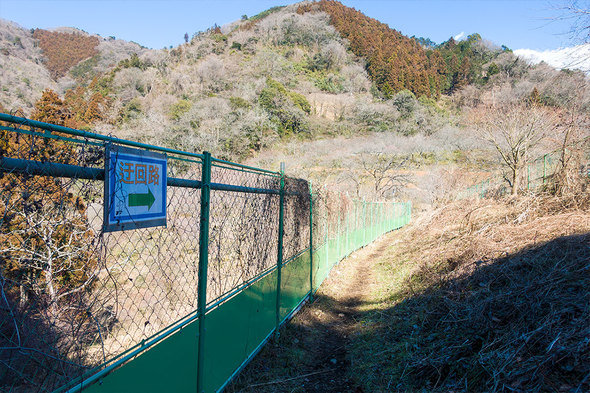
575,57
459,36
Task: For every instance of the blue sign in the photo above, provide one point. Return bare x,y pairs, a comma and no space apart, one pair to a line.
135,189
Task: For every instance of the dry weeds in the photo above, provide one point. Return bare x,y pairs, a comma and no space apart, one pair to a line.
496,300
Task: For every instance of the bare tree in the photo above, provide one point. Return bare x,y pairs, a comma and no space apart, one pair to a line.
578,14
514,130
383,172
573,138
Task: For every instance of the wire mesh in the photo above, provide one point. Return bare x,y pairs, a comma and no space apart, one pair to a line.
539,174
243,230
296,217
73,297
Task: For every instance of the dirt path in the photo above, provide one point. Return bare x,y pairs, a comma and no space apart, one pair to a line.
311,353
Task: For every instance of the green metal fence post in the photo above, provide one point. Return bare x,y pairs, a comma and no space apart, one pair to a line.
372,236
346,228
370,220
326,239
203,260
378,219
310,242
392,216
384,217
356,224
377,222
374,218
280,247
338,233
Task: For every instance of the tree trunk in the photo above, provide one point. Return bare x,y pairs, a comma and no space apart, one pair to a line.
515,182
51,289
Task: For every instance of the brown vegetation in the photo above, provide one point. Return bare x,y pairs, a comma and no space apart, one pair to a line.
394,61
65,50
497,299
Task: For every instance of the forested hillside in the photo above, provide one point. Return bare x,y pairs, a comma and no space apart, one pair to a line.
396,62
61,60
294,76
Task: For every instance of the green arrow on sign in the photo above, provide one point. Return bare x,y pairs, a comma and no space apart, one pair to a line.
147,199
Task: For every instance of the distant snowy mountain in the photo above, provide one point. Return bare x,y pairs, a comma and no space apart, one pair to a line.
576,57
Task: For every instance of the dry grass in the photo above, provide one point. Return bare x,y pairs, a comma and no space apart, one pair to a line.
494,298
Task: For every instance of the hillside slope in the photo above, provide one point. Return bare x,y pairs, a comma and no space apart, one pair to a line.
35,60
23,74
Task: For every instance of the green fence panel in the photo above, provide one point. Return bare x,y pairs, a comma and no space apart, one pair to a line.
357,237
169,366
320,265
236,328
294,283
333,252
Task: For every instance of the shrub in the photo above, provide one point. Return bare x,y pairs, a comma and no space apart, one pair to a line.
85,69
286,108
133,61
239,103
300,101
131,111
330,83
405,102
179,109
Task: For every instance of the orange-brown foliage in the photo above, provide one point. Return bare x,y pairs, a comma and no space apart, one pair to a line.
64,50
86,104
63,222
394,61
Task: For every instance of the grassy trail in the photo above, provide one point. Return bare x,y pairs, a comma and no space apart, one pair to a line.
313,351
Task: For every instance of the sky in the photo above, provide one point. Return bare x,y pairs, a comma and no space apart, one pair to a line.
156,23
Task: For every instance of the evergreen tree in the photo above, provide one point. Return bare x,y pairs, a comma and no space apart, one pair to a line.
44,237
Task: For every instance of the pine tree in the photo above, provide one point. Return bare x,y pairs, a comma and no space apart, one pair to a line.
51,109
535,97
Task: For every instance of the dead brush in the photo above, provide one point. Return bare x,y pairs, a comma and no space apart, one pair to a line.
499,301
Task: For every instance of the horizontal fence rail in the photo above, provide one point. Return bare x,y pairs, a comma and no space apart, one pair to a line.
177,307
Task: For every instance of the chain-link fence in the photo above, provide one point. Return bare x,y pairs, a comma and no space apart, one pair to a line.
538,174
177,307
